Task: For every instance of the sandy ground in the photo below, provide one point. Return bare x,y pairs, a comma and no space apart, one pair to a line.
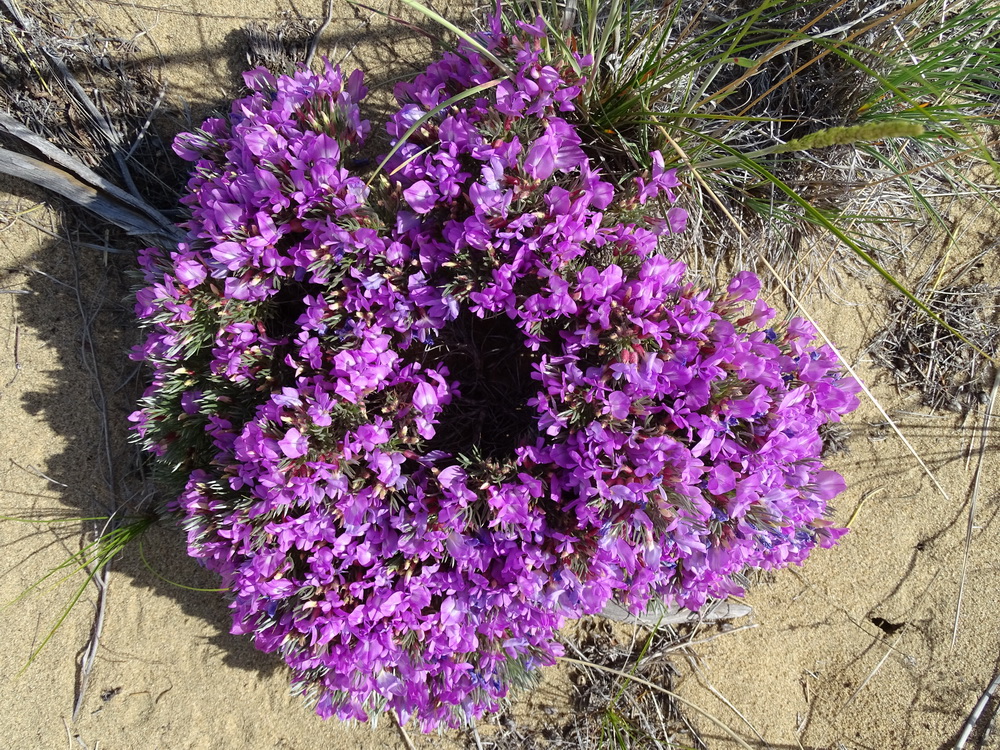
859,648
855,650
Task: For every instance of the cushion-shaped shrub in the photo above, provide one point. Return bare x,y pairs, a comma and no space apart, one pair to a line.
422,423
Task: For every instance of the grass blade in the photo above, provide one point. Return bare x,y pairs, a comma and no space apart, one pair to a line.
470,40
434,112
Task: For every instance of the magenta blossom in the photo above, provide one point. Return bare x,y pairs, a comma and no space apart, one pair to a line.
417,426
558,149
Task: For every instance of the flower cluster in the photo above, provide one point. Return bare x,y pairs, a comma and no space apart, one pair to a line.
420,425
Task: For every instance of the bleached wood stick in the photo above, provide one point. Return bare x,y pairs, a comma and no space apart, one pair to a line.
970,723
85,175
68,186
675,616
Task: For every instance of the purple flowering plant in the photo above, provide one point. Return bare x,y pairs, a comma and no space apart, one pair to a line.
422,421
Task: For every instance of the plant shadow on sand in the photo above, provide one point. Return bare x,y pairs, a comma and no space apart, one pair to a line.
79,307
74,290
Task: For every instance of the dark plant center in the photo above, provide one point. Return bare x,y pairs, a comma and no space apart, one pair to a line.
491,365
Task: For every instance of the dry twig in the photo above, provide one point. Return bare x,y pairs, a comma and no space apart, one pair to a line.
977,711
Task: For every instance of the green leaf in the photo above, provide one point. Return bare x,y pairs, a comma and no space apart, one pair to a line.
471,41
438,109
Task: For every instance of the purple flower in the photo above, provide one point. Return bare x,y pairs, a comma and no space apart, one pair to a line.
195,146
421,196
231,255
536,29
661,181
677,219
618,405
558,149
744,286
510,101
190,271
828,484
294,444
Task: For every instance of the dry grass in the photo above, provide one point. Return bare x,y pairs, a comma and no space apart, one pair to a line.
606,709
90,94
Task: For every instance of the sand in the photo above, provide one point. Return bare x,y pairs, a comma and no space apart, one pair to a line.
854,650
857,646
